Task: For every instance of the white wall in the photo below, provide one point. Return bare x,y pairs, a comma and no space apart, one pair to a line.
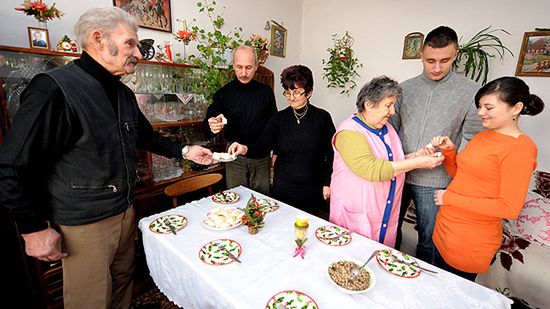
380,26
251,15
377,26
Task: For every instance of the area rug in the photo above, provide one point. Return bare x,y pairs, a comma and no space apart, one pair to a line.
153,299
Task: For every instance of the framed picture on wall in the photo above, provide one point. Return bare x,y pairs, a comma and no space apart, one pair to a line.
412,46
534,57
38,38
278,41
149,14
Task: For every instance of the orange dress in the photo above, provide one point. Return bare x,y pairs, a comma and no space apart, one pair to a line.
490,180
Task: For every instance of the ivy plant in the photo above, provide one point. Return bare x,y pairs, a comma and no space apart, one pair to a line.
340,69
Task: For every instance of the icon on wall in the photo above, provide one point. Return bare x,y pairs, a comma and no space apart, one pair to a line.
278,41
412,46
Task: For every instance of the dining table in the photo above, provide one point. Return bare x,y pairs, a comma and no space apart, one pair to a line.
270,274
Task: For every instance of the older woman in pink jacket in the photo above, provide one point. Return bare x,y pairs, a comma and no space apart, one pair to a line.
369,165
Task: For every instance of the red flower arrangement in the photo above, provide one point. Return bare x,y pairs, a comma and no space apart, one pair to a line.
185,35
40,10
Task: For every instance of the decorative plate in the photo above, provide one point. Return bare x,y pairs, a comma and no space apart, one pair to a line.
159,226
291,299
226,197
396,268
212,254
267,205
223,218
333,235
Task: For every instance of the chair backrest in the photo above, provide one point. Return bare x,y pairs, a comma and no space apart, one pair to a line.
192,184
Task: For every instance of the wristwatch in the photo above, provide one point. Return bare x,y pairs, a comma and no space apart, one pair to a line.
184,152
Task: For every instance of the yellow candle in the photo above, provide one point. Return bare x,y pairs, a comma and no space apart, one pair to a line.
301,221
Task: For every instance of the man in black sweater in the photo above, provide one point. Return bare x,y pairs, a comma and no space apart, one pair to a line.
69,160
243,108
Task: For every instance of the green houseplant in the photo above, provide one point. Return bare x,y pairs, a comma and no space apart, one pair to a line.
340,69
213,46
473,56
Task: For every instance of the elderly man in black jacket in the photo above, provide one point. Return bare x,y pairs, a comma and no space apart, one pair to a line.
69,161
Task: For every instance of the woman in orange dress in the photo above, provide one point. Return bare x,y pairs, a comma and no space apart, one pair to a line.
490,179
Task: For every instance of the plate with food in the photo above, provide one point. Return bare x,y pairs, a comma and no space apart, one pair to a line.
398,263
333,235
226,197
267,205
340,273
220,252
223,157
223,218
291,299
168,224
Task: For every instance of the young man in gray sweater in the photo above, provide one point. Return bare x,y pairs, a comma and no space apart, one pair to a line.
436,102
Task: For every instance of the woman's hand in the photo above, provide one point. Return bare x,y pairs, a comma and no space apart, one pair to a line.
443,142
438,197
429,161
237,149
326,192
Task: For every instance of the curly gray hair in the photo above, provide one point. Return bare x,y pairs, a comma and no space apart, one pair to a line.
103,19
376,90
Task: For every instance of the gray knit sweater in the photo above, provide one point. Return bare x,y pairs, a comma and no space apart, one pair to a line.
429,108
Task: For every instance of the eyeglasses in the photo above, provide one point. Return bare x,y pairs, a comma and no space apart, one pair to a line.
288,94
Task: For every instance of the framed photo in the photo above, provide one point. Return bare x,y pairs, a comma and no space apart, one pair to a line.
412,46
534,57
278,41
39,38
149,14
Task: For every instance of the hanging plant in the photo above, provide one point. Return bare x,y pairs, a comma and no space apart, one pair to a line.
473,56
340,69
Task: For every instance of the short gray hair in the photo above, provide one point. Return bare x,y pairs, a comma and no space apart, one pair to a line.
103,19
376,90
245,47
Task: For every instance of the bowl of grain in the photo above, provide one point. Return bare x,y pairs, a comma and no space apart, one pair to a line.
339,273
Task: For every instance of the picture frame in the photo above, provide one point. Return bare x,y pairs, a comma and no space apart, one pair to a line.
412,45
278,41
534,57
39,38
156,17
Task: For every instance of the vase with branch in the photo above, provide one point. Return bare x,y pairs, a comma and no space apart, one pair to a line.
40,10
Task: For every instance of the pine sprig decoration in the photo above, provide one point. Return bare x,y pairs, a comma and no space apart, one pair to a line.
253,216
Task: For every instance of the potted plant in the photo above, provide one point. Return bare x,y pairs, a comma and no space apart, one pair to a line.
213,47
473,56
261,45
341,68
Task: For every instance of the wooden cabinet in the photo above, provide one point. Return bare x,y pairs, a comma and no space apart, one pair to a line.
165,94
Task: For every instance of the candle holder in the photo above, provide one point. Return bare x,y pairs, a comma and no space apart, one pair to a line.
300,231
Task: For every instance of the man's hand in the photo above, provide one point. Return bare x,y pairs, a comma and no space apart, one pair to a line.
43,245
326,192
217,123
199,155
237,149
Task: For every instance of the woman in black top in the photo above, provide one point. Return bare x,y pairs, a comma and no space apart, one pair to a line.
300,136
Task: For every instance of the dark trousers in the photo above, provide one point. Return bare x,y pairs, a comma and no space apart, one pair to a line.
251,173
439,261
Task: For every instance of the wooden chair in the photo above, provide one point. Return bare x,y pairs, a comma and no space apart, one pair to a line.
192,184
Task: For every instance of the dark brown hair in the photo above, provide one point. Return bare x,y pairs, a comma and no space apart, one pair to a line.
512,90
297,76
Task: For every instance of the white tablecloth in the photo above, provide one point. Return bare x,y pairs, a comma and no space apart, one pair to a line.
268,267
